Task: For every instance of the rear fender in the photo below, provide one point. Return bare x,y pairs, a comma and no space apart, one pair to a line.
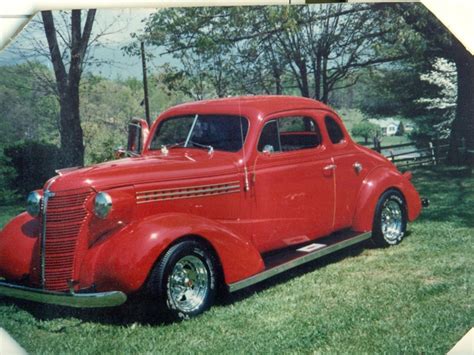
374,185
124,260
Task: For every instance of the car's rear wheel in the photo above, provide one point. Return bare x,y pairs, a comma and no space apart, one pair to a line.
184,280
390,220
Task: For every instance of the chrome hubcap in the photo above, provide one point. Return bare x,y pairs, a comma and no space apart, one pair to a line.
188,283
392,218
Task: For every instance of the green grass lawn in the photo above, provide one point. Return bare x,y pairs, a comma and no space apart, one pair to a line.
416,297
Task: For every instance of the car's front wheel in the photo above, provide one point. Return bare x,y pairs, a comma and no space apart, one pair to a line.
390,220
184,280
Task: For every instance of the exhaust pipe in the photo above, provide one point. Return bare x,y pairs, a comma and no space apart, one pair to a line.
425,202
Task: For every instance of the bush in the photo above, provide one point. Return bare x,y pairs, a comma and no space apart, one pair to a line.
34,163
365,129
8,193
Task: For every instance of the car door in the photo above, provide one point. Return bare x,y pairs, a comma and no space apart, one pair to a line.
293,197
350,171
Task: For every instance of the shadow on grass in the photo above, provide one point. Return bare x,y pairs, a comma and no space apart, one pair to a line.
140,309
136,310
451,194
287,276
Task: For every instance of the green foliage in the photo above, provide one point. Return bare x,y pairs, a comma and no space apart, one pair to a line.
107,106
365,129
400,129
160,95
8,193
412,298
28,107
28,112
230,50
392,91
351,116
34,163
9,211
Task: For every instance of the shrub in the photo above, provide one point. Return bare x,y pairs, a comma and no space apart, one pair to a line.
8,193
365,129
33,163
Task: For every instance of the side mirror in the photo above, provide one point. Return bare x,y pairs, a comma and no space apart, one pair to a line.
137,134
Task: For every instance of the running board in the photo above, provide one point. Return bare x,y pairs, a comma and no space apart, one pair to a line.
289,258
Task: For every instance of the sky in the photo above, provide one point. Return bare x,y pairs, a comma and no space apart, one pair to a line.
117,26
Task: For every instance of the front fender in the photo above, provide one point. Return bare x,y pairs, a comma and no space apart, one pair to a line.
374,185
124,260
19,248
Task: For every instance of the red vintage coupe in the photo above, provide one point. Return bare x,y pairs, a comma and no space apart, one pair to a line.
222,192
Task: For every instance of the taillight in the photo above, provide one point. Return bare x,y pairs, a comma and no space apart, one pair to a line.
408,175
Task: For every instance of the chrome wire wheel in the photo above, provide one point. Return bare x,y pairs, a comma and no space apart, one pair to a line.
392,221
188,283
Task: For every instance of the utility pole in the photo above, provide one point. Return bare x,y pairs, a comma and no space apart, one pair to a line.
145,85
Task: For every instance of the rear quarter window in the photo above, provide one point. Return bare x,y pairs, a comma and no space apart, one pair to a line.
334,130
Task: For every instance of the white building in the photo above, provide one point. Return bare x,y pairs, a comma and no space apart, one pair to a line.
388,126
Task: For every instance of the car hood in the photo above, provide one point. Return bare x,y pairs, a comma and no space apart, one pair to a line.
177,165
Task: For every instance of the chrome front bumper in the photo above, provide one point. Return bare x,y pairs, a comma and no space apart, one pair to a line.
78,300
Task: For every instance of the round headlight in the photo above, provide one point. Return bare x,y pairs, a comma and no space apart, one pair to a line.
33,204
102,205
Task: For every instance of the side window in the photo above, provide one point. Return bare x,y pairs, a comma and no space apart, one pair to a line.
269,140
298,133
288,134
334,131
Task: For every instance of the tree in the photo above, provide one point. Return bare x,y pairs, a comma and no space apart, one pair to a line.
439,42
68,69
28,110
311,49
364,129
443,76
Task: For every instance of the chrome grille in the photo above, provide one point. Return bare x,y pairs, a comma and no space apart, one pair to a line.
65,215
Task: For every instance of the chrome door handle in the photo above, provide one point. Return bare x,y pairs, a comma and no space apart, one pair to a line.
330,167
357,167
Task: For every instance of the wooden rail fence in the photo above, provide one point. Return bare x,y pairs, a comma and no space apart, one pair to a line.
409,154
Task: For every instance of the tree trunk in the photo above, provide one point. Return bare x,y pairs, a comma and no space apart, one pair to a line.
278,86
462,128
324,72
304,78
72,146
317,77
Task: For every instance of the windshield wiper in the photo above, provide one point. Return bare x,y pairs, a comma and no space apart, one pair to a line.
210,147
174,145
166,148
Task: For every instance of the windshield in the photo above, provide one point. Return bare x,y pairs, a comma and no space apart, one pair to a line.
218,132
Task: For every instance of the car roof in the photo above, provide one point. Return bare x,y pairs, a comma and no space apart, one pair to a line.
249,106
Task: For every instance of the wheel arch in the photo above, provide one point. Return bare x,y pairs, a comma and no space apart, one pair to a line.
125,260
191,237
376,183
